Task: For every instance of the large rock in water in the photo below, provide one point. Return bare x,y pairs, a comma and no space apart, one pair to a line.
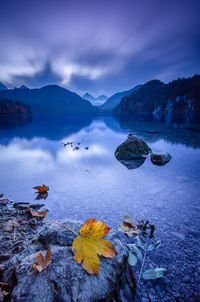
133,148
66,276
160,158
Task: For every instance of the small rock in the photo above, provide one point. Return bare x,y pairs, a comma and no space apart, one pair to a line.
4,201
10,225
24,205
160,158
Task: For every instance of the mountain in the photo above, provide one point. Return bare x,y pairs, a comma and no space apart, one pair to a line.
88,97
23,87
115,99
9,107
95,101
49,99
181,96
3,87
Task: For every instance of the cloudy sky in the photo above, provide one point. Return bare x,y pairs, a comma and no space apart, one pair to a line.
98,46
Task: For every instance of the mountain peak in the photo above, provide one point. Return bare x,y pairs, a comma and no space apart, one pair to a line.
23,87
3,87
88,97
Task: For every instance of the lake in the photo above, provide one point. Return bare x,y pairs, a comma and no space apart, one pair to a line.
94,184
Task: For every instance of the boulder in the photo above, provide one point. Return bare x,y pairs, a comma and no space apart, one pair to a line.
64,275
160,158
133,148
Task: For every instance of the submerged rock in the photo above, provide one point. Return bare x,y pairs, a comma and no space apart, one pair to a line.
134,163
132,148
160,158
66,276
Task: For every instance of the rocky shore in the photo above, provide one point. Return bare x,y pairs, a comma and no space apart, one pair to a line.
64,280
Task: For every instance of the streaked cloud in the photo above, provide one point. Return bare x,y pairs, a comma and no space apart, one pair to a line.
97,46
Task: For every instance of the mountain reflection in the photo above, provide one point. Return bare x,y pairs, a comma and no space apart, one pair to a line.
176,130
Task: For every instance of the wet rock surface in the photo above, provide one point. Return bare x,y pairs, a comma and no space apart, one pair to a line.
160,158
133,163
66,281
132,148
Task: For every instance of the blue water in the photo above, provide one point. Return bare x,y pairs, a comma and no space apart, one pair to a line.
92,183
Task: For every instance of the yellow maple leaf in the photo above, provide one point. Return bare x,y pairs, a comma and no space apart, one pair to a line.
90,244
42,188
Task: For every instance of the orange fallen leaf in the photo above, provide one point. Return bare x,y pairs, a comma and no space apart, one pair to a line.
35,213
42,263
90,244
130,135
41,189
86,148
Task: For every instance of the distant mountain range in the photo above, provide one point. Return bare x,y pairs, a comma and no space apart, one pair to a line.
181,96
95,101
115,99
49,99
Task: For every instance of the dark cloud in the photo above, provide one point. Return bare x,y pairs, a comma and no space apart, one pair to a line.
98,46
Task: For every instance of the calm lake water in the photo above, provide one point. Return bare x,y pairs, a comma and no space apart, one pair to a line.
92,183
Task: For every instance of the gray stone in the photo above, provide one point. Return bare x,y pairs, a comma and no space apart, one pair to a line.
160,158
24,205
133,148
65,275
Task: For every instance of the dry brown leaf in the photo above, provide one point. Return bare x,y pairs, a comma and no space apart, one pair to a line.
41,189
86,148
90,244
129,226
10,225
35,213
42,263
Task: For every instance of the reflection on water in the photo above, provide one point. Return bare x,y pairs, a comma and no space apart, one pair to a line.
133,164
92,183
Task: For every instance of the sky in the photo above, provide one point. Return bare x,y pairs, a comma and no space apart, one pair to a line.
100,47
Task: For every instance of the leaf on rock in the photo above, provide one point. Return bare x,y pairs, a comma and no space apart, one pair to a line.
90,244
86,148
42,263
10,225
129,226
35,213
155,273
41,189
